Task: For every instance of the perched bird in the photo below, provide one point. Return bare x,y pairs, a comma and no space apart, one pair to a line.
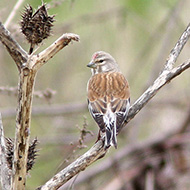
108,96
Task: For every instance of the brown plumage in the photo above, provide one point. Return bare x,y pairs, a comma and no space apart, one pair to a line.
108,96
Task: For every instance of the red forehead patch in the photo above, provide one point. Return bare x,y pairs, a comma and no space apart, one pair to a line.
94,56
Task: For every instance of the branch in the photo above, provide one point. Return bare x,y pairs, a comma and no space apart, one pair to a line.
71,108
78,165
5,172
49,52
49,110
172,138
13,12
163,79
97,150
174,54
46,94
17,53
28,67
154,146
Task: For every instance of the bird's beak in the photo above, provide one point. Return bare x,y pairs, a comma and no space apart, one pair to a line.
91,65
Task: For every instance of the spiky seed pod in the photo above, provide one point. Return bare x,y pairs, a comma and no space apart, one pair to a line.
9,151
37,26
32,153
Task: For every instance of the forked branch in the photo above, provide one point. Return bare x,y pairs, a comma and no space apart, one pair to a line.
28,66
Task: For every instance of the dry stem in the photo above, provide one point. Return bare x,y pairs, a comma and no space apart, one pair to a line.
28,65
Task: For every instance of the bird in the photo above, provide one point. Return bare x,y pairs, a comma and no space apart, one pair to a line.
108,96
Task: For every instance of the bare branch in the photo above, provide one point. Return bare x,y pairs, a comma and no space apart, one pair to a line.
78,107
49,110
5,172
174,54
163,79
27,77
9,90
59,109
13,12
78,165
14,49
130,151
49,52
97,150
46,94
22,134
28,67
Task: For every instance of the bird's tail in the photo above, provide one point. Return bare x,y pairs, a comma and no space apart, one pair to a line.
110,138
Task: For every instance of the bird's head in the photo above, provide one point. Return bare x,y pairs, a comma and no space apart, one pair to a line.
102,62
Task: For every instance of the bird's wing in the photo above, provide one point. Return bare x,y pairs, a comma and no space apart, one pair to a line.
122,112
120,98
97,102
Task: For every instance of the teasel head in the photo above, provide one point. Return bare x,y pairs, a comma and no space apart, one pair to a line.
32,153
36,27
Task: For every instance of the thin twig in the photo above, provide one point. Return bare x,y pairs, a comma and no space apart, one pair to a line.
49,110
13,12
45,94
174,54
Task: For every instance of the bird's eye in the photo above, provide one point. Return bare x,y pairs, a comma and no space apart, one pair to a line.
101,60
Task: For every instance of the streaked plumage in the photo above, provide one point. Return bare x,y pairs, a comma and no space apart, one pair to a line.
108,96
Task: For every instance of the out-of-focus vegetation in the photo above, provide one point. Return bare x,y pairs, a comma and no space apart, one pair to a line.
139,34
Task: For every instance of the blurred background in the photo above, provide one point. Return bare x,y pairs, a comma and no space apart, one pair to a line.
139,34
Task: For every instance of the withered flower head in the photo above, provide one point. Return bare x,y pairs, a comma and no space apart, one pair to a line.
32,153
37,26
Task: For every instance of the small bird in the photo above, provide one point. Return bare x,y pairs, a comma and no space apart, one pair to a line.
108,96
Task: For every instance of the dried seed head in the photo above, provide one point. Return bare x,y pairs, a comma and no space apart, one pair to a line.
37,26
9,152
32,153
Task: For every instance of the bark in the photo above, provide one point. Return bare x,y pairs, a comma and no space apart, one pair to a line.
19,55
